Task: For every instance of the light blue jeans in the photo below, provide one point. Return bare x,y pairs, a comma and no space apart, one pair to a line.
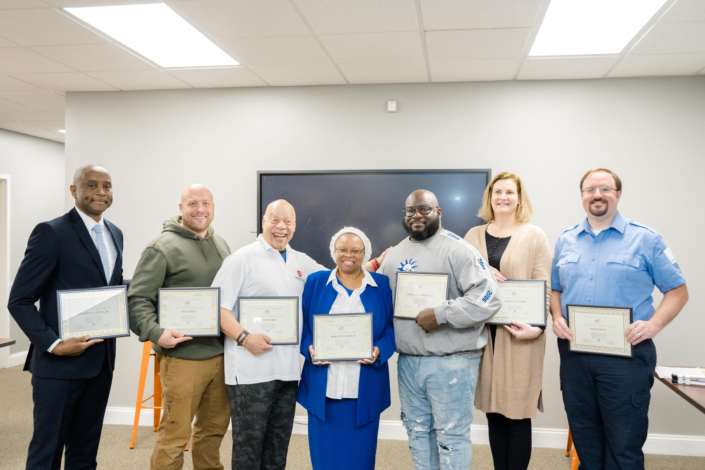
437,395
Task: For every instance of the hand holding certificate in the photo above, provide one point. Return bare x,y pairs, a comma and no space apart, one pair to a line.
192,311
276,317
342,337
418,291
600,330
522,301
97,313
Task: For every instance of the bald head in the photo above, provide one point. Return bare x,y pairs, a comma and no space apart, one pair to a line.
197,209
422,216
279,224
81,172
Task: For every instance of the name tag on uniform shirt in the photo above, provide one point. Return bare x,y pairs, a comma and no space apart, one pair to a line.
670,256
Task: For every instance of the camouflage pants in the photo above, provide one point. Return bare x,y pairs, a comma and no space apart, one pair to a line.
263,417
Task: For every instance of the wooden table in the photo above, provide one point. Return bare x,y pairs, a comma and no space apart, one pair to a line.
6,342
693,394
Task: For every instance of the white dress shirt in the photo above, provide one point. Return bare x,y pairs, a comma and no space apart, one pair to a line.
344,376
109,246
259,270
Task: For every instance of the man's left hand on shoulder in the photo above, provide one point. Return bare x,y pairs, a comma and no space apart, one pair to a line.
426,319
641,330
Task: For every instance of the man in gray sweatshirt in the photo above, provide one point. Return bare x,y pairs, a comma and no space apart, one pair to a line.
439,353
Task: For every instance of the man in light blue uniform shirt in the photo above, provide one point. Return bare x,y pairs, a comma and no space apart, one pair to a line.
608,260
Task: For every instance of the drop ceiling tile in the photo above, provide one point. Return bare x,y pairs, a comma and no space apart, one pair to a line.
94,57
20,112
49,125
478,14
244,18
658,64
374,47
299,75
12,85
21,60
5,43
217,77
44,27
359,16
91,3
15,4
49,102
560,68
672,38
473,70
140,80
385,72
476,44
62,82
685,10
280,50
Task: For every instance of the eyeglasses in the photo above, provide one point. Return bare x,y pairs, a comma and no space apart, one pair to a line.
424,209
602,189
345,251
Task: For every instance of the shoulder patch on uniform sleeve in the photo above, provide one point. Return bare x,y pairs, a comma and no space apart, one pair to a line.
669,255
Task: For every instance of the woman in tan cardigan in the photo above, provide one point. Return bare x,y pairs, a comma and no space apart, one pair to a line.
509,383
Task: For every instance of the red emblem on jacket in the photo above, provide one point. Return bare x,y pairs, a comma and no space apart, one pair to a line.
299,273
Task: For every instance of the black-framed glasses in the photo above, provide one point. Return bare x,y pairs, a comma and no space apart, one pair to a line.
602,189
345,251
424,209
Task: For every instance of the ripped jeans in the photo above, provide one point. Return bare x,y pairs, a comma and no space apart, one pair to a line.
437,395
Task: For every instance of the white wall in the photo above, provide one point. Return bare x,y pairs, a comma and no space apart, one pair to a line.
650,131
36,168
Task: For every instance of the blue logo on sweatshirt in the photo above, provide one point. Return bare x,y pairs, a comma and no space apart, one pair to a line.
453,236
408,265
487,296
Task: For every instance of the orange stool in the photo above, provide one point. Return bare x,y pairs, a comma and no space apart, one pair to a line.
576,460
146,354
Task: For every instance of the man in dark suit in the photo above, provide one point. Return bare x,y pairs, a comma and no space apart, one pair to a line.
71,379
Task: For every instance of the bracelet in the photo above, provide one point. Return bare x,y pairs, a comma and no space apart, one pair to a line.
240,339
244,341
375,264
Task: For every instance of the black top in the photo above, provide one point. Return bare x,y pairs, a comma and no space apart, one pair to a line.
495,249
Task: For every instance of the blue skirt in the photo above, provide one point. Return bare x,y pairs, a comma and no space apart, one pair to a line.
338,442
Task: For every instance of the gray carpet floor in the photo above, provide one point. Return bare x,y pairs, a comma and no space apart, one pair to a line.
115,452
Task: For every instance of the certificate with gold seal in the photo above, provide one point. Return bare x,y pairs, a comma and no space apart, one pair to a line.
600,330
342,337
97,313
276,317
523,301
417,291
193,311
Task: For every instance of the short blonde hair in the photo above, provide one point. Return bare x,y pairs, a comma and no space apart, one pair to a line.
524,211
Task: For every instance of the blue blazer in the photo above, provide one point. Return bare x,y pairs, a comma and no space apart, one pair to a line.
373,388
60,255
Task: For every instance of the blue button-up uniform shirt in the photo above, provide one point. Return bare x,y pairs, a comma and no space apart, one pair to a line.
616,268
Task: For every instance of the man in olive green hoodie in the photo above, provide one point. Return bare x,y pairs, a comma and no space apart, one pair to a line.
187,253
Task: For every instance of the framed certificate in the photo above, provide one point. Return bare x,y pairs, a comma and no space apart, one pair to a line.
342,337
417,291
600,330
193,311
276,317
98,313
523,301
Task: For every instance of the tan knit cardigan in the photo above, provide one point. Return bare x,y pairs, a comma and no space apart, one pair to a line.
510,378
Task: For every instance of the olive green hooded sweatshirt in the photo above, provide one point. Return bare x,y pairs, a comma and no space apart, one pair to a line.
176,258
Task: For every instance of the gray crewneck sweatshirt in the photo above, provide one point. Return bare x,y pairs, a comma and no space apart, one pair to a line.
472,295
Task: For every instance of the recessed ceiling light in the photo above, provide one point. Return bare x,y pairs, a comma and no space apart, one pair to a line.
586,27
157,32
63,131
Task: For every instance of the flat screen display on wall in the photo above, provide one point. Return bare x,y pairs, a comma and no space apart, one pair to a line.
372,201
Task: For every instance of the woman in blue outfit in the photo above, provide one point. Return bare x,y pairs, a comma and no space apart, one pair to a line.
344,399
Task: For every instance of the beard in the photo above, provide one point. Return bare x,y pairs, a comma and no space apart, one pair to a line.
599,213
430,229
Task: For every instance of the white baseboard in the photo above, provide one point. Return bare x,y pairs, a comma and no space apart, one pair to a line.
663,444
18,359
